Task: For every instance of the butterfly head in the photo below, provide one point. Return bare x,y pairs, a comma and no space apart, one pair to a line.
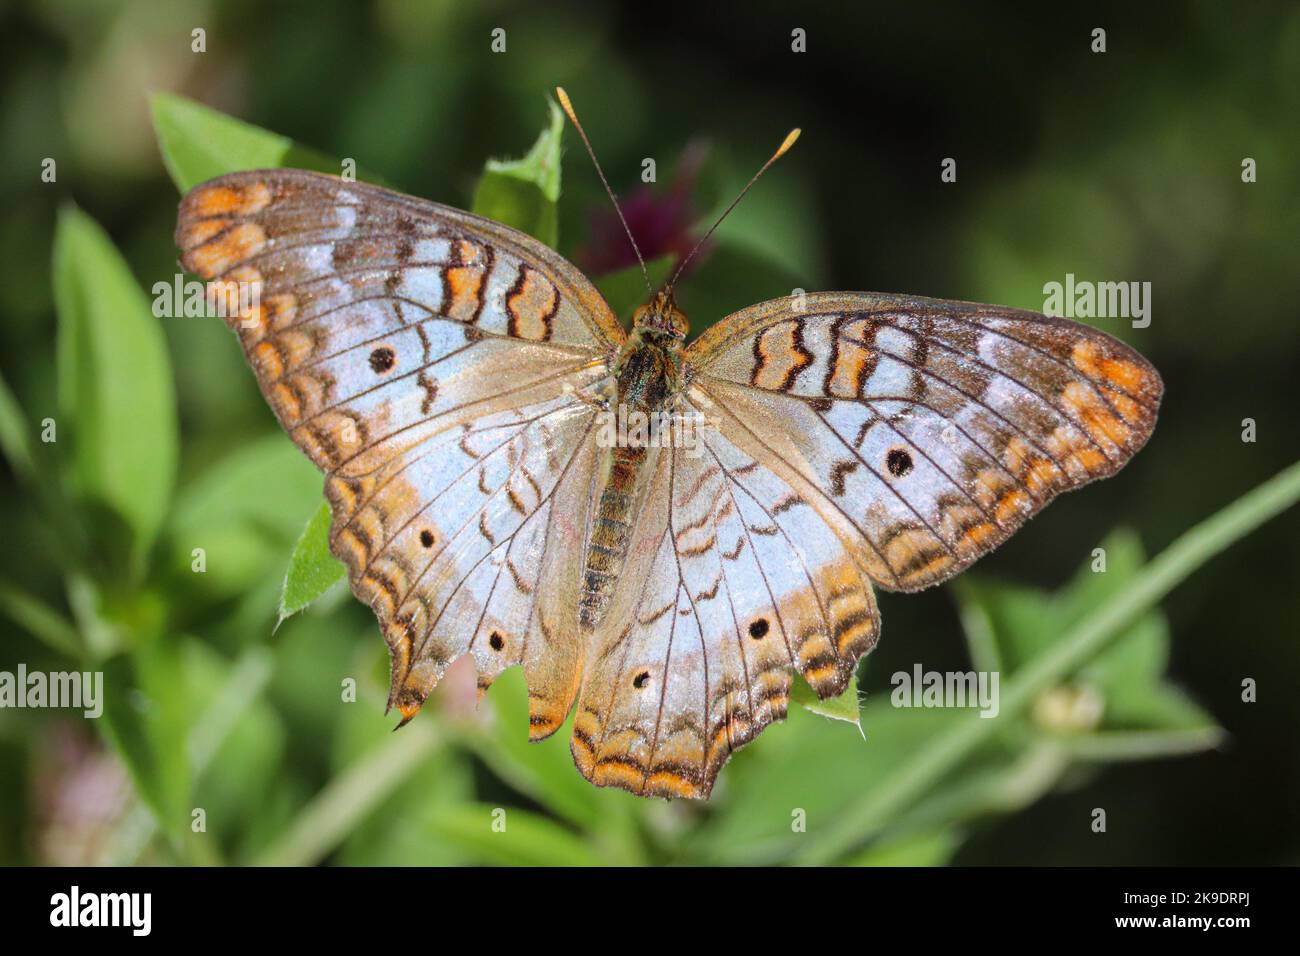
661,317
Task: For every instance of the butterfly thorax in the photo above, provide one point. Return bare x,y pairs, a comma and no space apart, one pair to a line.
648,368
647,373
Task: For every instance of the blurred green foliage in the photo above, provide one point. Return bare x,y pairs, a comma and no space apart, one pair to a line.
1119,167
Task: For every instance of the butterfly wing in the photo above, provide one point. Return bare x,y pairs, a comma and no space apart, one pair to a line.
440,368
857,439
937,427
731,582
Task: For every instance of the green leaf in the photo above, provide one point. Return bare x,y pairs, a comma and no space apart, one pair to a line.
241,512
1012,625
317,652
40,620
350,797
237,743
523,192
1129,672
1019,620
1116,745
1124,558
934,848
396,831
226,693
529,839
843,707
146,720
998,781
1162,708
114,380
199,143
811,765
15,434
234,747
313,570
544,771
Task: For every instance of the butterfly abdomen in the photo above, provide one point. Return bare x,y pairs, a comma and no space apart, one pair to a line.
645,381
611,531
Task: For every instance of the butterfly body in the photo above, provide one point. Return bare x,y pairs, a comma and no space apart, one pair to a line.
647,377
452,377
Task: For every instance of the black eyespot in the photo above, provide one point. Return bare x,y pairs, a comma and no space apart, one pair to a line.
899,462
426,538
758,628
497,641
641,680
382,359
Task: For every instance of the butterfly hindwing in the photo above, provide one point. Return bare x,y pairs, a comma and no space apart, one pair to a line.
937,427
466,544
435,364
732,583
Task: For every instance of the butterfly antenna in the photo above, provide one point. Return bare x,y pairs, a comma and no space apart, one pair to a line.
789,141
573,118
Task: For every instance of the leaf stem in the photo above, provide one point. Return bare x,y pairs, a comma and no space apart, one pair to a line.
344,801
1158,578
40,620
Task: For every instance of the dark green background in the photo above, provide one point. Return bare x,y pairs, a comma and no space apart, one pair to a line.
1119,166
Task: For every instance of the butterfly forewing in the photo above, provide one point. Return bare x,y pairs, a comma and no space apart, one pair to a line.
436,365
936,427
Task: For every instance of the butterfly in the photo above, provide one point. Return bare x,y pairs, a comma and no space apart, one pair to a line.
452,377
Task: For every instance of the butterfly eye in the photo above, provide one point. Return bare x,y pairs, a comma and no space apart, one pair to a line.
899,462
382,359
426,538
758,628
641,680
497,641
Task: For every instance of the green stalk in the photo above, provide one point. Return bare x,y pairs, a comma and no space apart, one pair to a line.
1076,648
343,802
